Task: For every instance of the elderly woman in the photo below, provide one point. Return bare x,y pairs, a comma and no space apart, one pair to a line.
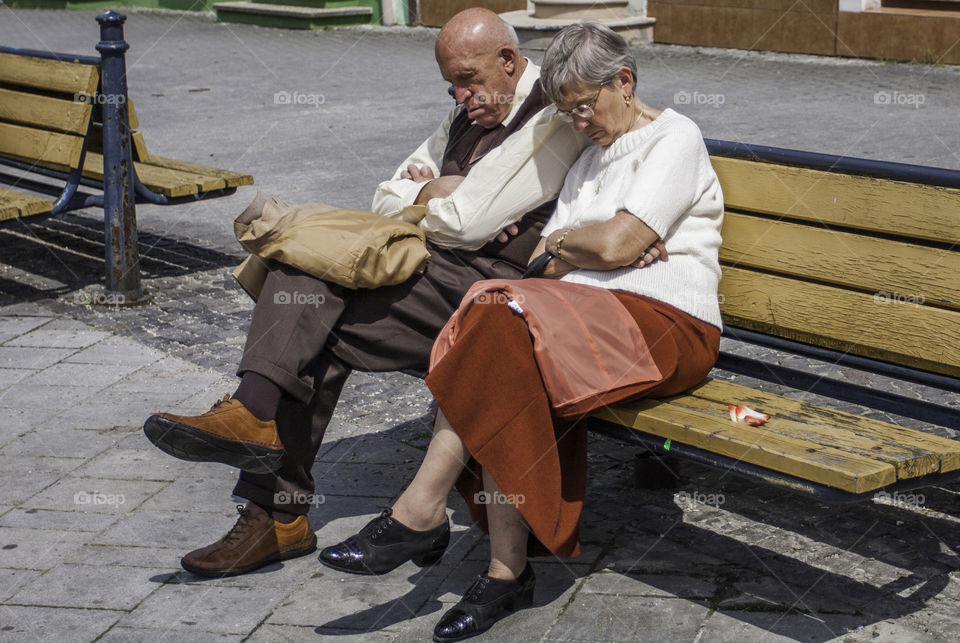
637,223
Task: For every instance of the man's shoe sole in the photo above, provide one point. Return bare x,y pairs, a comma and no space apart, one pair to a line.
236,571
189,443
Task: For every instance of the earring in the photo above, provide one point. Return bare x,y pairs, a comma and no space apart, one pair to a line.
627,100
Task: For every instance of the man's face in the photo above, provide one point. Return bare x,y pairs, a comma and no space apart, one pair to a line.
482,82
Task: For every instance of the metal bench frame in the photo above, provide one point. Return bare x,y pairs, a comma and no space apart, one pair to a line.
121,188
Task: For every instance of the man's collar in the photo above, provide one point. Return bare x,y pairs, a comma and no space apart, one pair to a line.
524,86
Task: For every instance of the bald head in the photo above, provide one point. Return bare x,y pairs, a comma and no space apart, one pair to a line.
476,28
479,55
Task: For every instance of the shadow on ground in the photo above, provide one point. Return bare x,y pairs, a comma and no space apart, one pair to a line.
799,579
66,253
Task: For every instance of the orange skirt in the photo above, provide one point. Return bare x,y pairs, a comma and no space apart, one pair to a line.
490,389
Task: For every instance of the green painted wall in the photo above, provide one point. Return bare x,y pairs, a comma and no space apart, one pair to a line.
373,4
187,5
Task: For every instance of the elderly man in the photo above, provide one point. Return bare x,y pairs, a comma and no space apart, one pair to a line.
497,162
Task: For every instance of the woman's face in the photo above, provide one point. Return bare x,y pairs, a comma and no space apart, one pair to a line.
611,116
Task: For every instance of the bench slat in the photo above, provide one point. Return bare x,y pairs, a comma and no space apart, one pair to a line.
53,75
45,112
831,423
232,179
896,331
167,182
15,204
138,147
55,149
132,116
863,203
909,462
867,263
755,445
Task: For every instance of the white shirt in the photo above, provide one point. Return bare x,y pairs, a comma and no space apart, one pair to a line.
660,173
524,171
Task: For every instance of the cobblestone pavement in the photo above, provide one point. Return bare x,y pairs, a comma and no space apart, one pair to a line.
93,520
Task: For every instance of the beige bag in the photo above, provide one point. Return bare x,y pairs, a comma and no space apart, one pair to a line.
353,248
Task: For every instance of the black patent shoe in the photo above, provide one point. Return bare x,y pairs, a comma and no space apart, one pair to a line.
384,544
487,601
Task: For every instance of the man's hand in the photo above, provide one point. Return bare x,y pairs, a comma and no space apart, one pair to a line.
420,174
438,188
510,231
657,251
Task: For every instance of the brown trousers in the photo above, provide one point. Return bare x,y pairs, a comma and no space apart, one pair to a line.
490,390
307,335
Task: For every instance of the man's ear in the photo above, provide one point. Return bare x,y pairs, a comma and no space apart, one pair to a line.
508,58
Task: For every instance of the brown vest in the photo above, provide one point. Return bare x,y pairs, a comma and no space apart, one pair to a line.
466,138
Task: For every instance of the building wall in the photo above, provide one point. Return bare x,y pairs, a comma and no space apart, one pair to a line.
809,27
433,13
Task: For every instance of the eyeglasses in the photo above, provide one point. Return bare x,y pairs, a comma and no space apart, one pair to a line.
583,110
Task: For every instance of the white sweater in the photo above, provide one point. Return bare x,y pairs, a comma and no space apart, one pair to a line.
661,173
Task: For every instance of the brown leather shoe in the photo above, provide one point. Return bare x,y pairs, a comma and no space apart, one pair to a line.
256,540
227,433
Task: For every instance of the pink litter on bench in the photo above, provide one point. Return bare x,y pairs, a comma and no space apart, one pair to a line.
741,413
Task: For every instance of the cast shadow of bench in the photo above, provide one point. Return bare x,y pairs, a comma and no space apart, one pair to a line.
781,562
66,253
641,536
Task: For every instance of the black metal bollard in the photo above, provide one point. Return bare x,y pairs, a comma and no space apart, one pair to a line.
119,208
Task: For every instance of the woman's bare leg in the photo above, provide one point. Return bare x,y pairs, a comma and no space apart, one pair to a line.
423,504
508,533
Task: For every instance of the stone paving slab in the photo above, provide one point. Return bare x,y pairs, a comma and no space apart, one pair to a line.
103,587
167,558
23,623
597,618
122,634
11,580
41,549
58,520
21,477
19,357
208,608
58,441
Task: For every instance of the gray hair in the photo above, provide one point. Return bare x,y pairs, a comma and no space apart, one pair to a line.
585,53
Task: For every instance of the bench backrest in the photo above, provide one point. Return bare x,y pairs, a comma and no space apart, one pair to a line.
859,264
45,109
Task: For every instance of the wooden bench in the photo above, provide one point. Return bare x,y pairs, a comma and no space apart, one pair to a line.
68,117
847,261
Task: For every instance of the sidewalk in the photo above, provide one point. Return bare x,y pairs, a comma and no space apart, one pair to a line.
94,519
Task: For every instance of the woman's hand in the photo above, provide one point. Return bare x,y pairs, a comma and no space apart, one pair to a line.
657,251
557,268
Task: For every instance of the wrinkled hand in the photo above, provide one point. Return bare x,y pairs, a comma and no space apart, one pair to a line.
510,231
438,188
420,174
656,251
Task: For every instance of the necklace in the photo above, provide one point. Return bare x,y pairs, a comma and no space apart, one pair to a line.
639,117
